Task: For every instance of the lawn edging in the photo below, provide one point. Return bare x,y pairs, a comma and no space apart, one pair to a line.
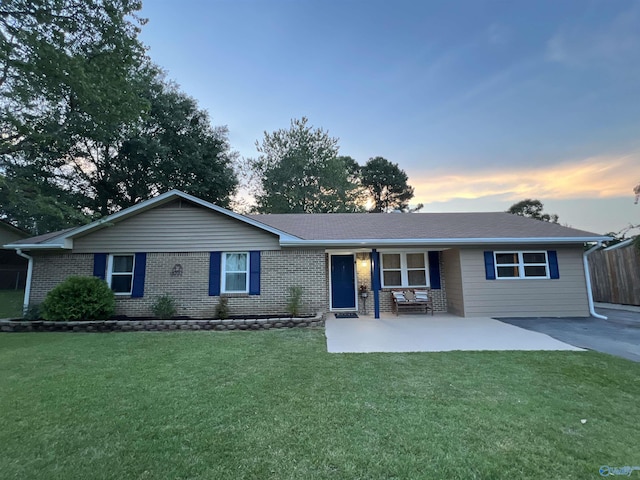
10,326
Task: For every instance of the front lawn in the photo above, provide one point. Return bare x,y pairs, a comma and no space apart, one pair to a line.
275,405
11,303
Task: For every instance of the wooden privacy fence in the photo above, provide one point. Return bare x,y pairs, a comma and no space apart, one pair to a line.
615,275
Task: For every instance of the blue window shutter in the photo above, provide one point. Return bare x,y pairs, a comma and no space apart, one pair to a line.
554,272
254,273
100,265
214,274
489,266
434,270
139,271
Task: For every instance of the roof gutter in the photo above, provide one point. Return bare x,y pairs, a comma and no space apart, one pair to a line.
369,242
36,246
587,275
27,287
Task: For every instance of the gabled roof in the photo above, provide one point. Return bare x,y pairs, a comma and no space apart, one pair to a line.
13,228
356,229
64,238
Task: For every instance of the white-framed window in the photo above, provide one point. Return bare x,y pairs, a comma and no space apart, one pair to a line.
404,269
120,273
235,272
521,264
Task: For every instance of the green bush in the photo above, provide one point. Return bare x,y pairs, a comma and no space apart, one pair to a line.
79,298
34,312
294,302
164,307
222,309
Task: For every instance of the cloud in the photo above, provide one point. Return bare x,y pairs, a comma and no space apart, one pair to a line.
596,177
612,44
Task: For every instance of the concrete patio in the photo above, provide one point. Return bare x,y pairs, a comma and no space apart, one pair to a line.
426,333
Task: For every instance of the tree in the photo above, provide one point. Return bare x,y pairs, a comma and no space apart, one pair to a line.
88,118
36,204
386,184
533,209
299,171
66,66
173,146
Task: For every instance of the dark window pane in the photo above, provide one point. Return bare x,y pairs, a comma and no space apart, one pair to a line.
502,258
122,264
417,278
534,257
392,279
390,260
508,272
540,271
415,260
121,283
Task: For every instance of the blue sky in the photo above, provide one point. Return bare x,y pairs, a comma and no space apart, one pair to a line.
482,103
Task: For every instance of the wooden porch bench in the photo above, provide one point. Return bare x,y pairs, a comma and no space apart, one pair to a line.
411,299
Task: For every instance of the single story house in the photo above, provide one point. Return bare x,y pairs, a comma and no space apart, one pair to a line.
474,264
13,268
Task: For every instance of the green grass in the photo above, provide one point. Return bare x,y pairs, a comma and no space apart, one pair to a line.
275,405
11,303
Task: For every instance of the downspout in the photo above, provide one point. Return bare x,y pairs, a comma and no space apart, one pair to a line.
27,287
587,275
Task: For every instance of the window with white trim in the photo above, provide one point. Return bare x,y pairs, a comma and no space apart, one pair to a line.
404,269
120,273
235,272
521,264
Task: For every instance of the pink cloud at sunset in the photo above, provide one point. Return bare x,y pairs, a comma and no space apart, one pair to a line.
595,177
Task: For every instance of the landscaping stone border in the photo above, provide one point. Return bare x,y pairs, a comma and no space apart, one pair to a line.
160,325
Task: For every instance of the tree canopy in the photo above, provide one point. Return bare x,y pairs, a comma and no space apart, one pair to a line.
88,124
533,209
299,171
386,185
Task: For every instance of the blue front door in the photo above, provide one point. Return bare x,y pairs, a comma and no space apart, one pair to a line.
343,282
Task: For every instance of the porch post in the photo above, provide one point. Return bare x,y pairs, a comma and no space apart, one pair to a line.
375,275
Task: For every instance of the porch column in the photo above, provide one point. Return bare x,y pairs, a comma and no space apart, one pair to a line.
375,275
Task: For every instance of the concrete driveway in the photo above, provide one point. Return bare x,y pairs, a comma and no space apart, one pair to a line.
440,333
619,335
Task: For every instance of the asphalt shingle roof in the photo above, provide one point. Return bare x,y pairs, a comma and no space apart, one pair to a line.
346,226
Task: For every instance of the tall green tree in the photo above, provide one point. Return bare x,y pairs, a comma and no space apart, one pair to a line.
533,209
174,146
386,185
66,67
299,171
83,107
36,204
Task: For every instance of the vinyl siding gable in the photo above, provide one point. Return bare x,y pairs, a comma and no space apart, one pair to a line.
177,227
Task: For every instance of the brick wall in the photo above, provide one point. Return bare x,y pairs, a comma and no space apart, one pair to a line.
279,271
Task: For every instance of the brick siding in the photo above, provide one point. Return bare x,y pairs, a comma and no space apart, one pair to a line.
280,270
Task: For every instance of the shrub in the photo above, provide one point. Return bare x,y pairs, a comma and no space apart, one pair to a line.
34,312
164,307
222,309
294,302
79,298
